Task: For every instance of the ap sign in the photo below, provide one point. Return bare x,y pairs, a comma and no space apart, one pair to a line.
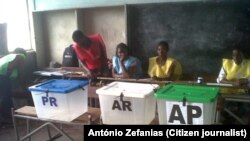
190,113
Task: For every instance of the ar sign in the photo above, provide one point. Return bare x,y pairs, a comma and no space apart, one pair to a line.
121,104
191,113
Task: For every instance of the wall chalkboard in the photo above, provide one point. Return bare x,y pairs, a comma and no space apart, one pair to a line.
199,33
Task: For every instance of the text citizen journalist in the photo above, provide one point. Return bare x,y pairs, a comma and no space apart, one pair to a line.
204,133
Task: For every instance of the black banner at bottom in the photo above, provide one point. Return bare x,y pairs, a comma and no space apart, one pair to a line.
164,132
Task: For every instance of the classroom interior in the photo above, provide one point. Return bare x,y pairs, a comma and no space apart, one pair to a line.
199,33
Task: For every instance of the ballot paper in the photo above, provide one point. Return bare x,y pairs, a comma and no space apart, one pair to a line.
219,84
47,73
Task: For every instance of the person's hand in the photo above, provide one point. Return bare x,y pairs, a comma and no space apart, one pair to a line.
110,65
122,58
241,82
89,76
154,78
94,75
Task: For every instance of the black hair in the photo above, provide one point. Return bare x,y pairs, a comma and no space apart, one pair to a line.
164,44
77,35
237,48
121,46
20,51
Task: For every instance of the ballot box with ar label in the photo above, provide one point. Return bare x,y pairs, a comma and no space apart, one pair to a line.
127,103
59,99
187,105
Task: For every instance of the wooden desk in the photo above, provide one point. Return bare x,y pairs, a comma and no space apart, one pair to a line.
146,80
29,113
64,72
210,84
240,98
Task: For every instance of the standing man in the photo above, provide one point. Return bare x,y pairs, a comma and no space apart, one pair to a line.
9,67
91,52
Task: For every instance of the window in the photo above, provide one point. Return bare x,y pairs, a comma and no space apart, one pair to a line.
15,14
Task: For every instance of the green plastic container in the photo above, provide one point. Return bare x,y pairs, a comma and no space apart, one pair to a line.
187,104
190,93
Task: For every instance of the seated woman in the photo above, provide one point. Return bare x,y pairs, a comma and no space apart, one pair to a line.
124,65
162,67
235,71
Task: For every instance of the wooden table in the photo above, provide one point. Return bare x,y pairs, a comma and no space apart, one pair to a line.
146,80
92,116
63,72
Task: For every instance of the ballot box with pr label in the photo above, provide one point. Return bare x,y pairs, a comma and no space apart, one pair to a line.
60,99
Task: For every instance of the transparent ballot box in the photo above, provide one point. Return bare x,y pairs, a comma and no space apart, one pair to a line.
127,103
185,104
62,100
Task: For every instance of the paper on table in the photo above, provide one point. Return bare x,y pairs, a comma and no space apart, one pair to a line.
219,84
47,73
57,73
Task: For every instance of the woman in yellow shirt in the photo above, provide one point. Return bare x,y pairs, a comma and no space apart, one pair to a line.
163,67
235,71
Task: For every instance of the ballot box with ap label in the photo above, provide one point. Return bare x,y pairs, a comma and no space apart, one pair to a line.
58,99
184,104
127,103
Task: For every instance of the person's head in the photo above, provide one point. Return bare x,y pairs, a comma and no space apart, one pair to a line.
17,62
162,48
20,51
122,50
80,38
237,55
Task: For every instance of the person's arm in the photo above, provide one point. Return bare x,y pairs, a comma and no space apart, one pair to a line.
14,65
126,73
237,82
150,68
221,77
89,74
16,70
115,75
170,73
104,60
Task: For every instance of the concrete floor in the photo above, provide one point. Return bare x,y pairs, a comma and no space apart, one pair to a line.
8,133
